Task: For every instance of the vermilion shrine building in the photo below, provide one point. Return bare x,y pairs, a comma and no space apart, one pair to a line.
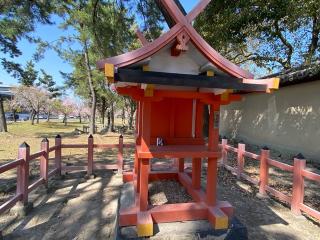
172,79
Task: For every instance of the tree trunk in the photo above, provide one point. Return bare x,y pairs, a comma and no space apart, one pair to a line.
48,117
65,119
3,122
92,91
33,116
112,118
123,116
103,110
80,120
109,120
38,112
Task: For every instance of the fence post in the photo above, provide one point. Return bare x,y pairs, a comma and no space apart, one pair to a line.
90,155
120,155
298,183
264,171
44,160
57,158
23,177
224,152
240,159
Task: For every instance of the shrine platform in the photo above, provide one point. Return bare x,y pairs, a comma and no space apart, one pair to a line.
177,230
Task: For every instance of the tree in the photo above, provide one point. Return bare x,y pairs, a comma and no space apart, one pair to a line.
17,21
65,107
46,82
31,98
273,34
29,75
3,122
91,20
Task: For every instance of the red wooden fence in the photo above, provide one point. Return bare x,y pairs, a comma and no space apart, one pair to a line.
298,170
24,159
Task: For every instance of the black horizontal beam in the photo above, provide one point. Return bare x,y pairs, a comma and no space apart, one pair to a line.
175,79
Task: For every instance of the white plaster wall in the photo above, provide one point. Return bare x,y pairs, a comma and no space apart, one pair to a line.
288,119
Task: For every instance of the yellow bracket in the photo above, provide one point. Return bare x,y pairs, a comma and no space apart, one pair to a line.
148,92
225,96
109,72
145,68
276,83
210,73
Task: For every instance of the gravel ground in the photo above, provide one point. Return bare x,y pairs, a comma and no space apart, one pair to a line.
165,192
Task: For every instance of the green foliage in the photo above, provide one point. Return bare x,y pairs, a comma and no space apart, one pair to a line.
29,75
17,21
271,34
46,81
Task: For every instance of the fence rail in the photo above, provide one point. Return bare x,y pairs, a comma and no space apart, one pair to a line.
24,159
298,170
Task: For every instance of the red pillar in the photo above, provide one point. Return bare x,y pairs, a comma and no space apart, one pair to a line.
143,196
146,125
57,157
298,184
196,173
144,164
181,164
90,155
240,159
120,155
23,172
44,160
264,171
212,162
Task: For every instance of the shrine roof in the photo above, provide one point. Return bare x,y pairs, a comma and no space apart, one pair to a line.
183,33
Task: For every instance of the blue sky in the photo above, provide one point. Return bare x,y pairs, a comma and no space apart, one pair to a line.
51,62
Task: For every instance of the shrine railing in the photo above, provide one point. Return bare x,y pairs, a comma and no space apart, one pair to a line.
22,165
296,201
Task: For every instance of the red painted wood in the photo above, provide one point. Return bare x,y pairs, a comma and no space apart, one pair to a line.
181,164
197,10
211,189
298,185
283,197
10,203
312,212
44,161
57,154
36,155
264,171
141,37
90,155
240,159
23,174
282,166
310,175
143,194
177,151
179,212
36,184
146,126
196,173
197,195
74,146
120,155
251,155
10,165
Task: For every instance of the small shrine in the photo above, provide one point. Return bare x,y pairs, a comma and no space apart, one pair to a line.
172,79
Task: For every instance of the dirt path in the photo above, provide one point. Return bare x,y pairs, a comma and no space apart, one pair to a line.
76,209
265,219
86,209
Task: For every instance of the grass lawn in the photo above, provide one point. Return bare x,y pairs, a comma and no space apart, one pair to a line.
20,132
